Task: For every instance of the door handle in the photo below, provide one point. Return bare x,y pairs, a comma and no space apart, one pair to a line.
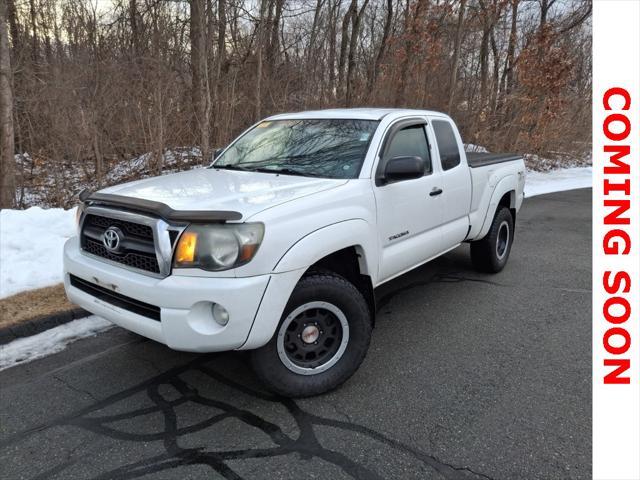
435,191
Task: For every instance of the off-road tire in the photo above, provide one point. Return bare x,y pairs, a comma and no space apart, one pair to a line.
486,254
318,286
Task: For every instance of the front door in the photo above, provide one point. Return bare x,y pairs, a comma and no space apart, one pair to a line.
409,212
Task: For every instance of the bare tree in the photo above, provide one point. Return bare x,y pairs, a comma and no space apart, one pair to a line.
382,49
7,162
453,78
201,96
356,20
352,11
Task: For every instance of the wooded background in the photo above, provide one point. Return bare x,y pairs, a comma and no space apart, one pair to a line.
87,85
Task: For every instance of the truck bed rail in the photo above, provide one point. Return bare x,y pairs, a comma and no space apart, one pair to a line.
477,159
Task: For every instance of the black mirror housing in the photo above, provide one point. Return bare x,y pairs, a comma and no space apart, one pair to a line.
398,169
217,152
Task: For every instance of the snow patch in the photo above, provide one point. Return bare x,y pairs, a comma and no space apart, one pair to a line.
539,183
31,244
471,147
51,341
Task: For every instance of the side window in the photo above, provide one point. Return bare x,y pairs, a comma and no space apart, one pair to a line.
410,142
447,144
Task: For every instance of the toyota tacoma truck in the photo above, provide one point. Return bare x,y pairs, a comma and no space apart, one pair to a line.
278,246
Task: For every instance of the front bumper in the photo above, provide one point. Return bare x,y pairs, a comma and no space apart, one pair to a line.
186,322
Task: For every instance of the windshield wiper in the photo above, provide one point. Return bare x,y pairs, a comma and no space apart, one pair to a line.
231,167
286,171
283,170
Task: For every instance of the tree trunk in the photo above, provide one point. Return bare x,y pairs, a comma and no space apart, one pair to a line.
314,31
381,50
260,36
12,17
7,160
412,28
344,43
453,78
221,68
356,20
484,67
333,21
274,42
201,97
34,31
545,6
135,34
496,75
511,49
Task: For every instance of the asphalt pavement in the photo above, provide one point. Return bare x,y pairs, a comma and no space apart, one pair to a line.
469,376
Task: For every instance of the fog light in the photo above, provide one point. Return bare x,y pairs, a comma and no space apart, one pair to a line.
220,314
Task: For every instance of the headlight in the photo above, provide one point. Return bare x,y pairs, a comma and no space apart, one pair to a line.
218,247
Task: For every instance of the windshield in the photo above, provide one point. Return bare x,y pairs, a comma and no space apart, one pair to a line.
329,148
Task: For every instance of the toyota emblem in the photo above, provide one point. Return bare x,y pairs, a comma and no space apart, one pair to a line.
111,239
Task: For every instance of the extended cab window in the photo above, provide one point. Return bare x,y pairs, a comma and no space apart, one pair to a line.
410,142
447,144
331,148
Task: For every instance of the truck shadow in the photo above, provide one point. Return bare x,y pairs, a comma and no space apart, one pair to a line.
454,267
277,427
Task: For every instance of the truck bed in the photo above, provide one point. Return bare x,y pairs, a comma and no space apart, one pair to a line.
476,159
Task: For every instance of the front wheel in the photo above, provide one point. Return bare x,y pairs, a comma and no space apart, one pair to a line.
321,340
492,252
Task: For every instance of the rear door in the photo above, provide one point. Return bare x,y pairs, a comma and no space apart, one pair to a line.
456,182
409,212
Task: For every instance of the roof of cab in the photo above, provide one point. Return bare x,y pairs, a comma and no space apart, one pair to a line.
351,113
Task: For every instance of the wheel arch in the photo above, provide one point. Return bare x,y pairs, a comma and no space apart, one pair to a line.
503,195
346,248
351,242
349,263
355,234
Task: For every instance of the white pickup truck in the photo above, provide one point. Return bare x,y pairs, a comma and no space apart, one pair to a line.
278,246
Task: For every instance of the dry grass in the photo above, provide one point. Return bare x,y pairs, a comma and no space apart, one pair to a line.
33,304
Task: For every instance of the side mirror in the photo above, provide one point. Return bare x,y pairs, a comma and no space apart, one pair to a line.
403,168
217,152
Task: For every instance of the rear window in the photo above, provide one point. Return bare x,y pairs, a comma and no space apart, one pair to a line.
447,144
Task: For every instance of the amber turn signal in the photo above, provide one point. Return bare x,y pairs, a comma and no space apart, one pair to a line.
186,251
247,252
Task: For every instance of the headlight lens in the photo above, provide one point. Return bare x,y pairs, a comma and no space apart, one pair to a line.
218,246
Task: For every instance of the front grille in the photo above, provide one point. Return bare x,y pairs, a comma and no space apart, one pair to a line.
129,228
139,249
116,299
135,260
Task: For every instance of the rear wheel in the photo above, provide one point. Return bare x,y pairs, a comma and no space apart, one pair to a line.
492,252
321,341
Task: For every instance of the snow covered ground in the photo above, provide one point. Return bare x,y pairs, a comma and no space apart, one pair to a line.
31,247
50,341
539,183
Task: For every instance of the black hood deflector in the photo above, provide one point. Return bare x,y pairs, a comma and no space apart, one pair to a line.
158,209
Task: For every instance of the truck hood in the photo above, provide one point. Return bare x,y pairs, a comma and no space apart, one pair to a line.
208,189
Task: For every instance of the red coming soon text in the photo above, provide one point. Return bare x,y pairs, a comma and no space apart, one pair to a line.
617,240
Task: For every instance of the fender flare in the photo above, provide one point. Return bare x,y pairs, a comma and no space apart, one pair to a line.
506,185
297,259
326,240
